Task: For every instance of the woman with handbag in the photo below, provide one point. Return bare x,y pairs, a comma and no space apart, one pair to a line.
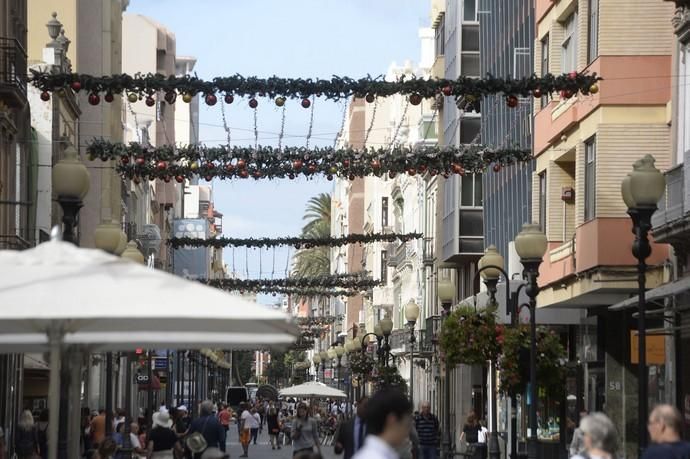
162,439
305,432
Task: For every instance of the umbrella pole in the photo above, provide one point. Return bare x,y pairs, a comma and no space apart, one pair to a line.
54,393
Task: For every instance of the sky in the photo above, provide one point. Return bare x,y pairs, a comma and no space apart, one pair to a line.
287,38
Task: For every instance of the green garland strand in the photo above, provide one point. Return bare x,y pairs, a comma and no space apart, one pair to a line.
296,242
167,162
145,86
299,291
320,320
350,283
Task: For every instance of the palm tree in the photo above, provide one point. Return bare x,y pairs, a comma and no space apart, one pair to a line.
315,261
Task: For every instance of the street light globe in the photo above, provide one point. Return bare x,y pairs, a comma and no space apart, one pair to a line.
331,353
316,359
445,291
492,257
411,312
132,253
108,237
645,185
339,350
531,243
358,342
386,326
70,176
323,355
122,245
349,345
377,330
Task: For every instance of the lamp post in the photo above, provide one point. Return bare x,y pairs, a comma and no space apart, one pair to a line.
70,185
331,358
642,189
490,268
531,245
411,315
446,293
317,361
379,341
324,361
386,328
339,351
70,181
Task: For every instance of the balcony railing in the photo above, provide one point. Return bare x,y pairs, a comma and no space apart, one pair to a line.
672,203
428,251
13,72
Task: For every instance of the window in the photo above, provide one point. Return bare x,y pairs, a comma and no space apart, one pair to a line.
469,12
542,201
470,129
440,36
471,190
544,66
590,178
569,45
593,31
469,58
384,266
384,212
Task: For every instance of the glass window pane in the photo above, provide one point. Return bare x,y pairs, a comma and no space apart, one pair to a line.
471,223
470,13
469,129
470,38
469,65
478,201
467,189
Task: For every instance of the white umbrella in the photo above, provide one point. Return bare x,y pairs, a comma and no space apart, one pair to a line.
312,389
57,294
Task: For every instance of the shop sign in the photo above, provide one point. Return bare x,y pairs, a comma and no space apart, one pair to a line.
656,349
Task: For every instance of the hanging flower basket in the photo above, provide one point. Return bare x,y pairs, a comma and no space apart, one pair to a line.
389,378
470,337
362,364
514,361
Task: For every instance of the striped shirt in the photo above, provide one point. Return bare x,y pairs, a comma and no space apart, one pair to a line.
427,429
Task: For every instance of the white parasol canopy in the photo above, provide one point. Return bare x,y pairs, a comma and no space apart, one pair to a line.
312,389
57,294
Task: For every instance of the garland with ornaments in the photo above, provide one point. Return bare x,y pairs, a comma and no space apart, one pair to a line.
302,292
320,320
296,242
470,336
361,363
350,282
136,161
145,87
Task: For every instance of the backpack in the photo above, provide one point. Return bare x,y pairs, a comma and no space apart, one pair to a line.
26,442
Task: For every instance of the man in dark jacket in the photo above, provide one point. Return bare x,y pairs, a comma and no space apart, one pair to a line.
350,434
208,426
428,430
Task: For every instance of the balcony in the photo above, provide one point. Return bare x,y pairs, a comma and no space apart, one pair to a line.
399,252
671,223
13,77
428,251
425,339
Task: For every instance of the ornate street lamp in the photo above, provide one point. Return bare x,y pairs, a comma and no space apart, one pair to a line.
642,189
411,316
445,290
70,183
386,329
317,361
324,361
339,351
531,245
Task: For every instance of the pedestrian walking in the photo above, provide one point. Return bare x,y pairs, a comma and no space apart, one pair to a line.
600,438
255,425
349,436
470,433
665,425
482,440
247,420
162,439
273,421
389,419
138,452
42,430
305,432
106,449
427,426
224,416
577,445
98,428
209,427
26,437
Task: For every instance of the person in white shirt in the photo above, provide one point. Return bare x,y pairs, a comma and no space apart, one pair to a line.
137,451
389,420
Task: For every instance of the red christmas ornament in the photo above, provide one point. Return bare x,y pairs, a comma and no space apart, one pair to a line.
512,101
312,168
351,177
94,99
566,94
297,164
161,165
244,173
76,86
375,164
229,168
253,103
370,98
166,179
415,99
447,91
537,93
210,165
109,97
346,163
229,99
421,168
572,75
150,101
136,179
124,159
45,96
179,178
497,167
241,163
391,175
411,172
209,178
140,161
257,174
306,103
211,99
457,169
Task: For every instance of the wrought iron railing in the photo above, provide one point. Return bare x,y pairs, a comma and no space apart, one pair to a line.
13,64
672,202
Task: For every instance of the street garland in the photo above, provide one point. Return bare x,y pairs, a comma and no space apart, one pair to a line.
514,361
470,336
352,282
320,320
146,86
295,241
361,363
167,162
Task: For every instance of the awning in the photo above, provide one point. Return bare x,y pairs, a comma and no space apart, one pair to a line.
671,289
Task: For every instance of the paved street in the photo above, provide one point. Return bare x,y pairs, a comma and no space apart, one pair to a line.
262,449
